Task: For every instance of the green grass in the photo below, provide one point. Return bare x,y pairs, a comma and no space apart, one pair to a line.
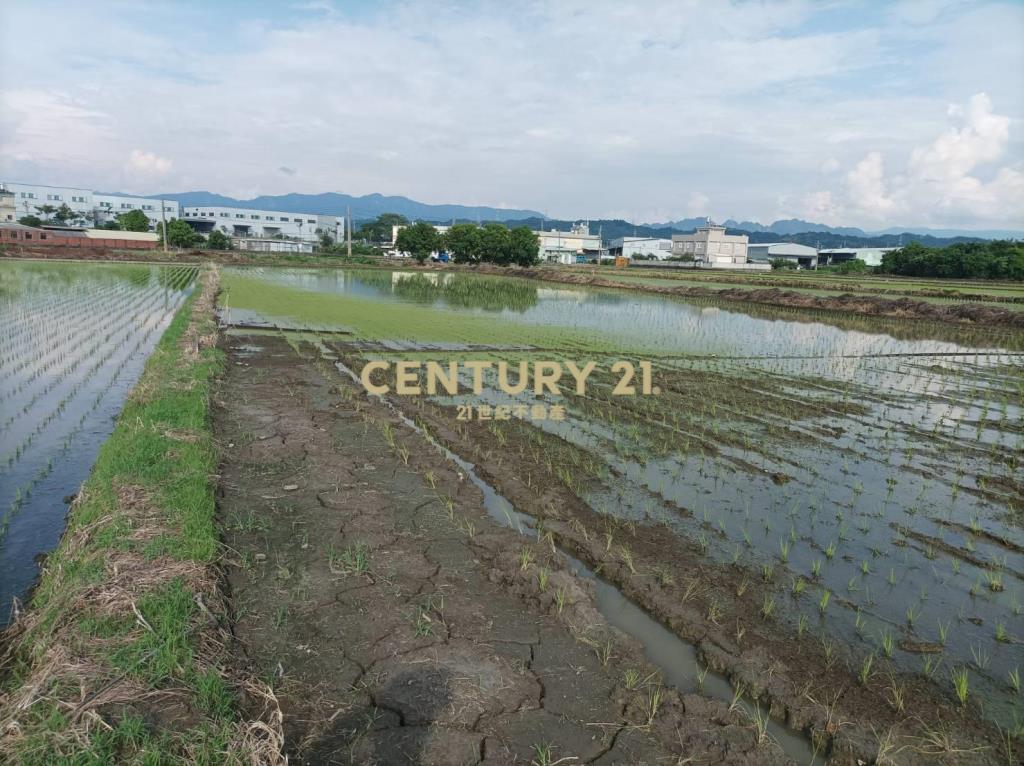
155,644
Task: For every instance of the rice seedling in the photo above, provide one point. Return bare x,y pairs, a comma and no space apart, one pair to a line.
1013,676
560,598
702,674
980,656
960,684
930,664
526,557
715,611
994,581
864,674
897,695
801,626
823,601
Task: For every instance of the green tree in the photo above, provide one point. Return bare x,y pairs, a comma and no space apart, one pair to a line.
133,220
218,240
46,210
180,234
419,240
379,230
995,259
462,242
64,214
30,220
782,264
524,247
493,244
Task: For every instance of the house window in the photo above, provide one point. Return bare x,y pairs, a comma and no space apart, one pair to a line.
147,207
28,195
42,236
255,217
53,197
270,218
310,220
239,215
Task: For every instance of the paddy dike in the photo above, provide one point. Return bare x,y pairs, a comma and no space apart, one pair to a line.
396,621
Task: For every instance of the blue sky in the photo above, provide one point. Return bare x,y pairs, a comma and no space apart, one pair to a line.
858,113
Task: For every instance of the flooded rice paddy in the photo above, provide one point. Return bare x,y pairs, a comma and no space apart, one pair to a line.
869,471
75,339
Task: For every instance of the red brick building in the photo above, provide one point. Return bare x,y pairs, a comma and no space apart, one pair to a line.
16,233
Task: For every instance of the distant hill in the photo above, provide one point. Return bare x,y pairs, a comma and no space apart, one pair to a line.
792,226
364,208
370,206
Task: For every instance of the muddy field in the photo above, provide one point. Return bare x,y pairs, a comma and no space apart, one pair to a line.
397,621
820,519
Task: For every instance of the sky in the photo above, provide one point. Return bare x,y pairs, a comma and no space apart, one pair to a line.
853,113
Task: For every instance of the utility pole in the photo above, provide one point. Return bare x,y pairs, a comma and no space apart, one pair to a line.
163,220
348,229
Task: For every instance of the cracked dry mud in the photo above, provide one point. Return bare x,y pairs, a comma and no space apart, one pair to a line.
396,622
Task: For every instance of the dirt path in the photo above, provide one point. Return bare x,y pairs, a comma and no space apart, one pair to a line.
397,622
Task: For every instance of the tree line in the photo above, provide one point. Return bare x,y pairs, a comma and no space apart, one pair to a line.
469,243
995,259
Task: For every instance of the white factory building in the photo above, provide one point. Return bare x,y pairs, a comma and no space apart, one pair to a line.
872,256
264,224
802,256
577,245
92,208
711,246
644,247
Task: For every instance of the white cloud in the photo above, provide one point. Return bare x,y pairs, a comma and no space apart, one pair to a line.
740,103
866,188
981,138
148,163
943,182
697,204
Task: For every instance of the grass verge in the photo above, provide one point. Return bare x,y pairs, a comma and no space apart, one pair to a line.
123,653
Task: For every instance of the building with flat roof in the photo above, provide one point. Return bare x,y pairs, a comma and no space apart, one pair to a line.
644,247
872,256
801,255
250,223
256,244
577,245
710,245
90,208
70,236
8,210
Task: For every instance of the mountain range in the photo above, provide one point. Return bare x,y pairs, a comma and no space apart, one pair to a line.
364,208
369,206
790,226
